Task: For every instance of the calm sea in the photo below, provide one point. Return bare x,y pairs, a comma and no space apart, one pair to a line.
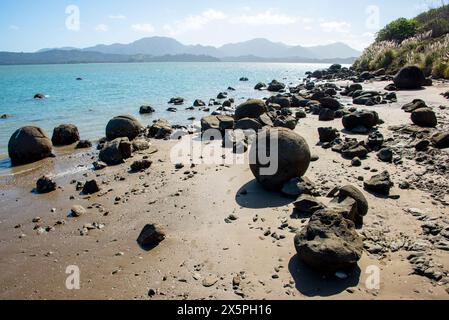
108,90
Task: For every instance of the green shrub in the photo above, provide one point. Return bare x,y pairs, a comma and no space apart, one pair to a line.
398,30
435,20
441,70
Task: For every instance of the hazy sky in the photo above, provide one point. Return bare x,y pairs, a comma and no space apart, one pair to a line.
29,25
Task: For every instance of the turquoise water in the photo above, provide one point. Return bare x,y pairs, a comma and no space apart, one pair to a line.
108,90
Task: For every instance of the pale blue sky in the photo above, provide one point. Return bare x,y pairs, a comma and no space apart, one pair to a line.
29,25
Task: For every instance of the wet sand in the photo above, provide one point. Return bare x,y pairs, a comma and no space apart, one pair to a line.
200,244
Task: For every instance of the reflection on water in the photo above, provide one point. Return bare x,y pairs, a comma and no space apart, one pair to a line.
67,162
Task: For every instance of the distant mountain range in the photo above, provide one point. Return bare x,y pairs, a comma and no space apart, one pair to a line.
168,49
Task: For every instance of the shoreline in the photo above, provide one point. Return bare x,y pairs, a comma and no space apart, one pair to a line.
200,244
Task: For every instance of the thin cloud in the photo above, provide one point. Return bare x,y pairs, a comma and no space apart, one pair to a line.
13,27
117,17
101,28
264,18
195,22
143,27
335,26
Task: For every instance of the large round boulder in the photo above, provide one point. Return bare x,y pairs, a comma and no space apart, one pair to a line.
410,77
123,127
252,108
424,117
29,144
287,156
329,243
65,134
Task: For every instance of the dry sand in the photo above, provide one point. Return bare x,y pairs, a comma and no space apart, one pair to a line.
200,244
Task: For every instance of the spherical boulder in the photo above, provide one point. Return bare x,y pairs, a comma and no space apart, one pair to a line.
65,134
252,108
29,144
410,77
424,117
277,156
123,126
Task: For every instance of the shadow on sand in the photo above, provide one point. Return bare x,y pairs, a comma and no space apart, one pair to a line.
253,196
313,284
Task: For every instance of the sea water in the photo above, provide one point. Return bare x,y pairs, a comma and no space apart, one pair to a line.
108,90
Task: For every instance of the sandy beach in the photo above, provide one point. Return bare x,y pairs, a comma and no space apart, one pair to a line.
204,251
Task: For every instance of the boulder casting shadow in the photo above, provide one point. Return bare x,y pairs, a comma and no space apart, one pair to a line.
313,284
253,196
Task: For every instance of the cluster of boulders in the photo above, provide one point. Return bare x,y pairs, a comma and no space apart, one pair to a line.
334,72
352,148
368,98
252,116
329,243
30,144
421,114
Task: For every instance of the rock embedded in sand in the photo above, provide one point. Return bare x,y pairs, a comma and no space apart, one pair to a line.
380,183
441,140
140,165
116,151
358,196
424,117
330,103
29,144
77,211
365,118
414,105
140,145
410,77
161,129
308,204
151,235
221,123
289,157
252,108
285,122
45,185
326,115
329,243
298,186
65,134
248,124
83,144
123,126
99,165
385,155
328,134
91,187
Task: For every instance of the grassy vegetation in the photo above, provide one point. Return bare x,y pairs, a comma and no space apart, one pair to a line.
422,41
